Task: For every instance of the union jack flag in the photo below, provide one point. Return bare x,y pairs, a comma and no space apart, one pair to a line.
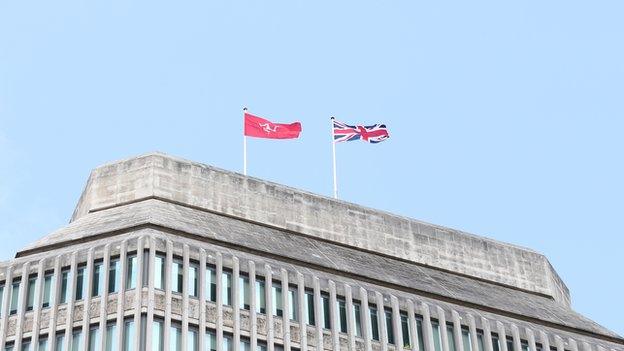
372,134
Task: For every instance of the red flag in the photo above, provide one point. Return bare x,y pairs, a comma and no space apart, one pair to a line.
261,128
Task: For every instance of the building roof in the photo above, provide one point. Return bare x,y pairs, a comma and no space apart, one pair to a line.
197,200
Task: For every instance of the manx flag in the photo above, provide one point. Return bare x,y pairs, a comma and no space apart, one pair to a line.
261,128
372,134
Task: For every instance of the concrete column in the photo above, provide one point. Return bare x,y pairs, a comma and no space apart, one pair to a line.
302,308
104,297
572,344
71,301
87,281
138,292
531,340
168,288
559,343
253,320
396,323
185,295
457,332
366,322
236,301
544,340
38,300
151,272
585,346
21,306
502,336
268,276
318,315
411,318
381,320
285,310
219,322
333,316
54,302
472,327
6,295
487,335
427,327
515,334
121,295
350,318
203,294
442,326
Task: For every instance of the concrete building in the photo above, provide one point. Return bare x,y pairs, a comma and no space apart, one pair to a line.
166,254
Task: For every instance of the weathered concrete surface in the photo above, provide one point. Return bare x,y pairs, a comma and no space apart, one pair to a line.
208,188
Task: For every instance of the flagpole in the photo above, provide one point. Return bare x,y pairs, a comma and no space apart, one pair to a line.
334,158
244,144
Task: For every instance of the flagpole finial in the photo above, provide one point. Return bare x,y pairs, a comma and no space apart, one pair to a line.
332,117
245,109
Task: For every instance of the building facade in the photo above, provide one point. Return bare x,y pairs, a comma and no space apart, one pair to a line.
166,254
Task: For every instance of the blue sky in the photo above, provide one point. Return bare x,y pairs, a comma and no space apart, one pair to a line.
506,117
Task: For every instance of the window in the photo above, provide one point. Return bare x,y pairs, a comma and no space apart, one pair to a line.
480,342
159,272
111,337
374,325
326,312
293,303
60,342
43,344
192,343
98,280
357,313
26,346
30,293
114,276
94,338
260,296
132,271
419,334
48,293
210,341
227,343
466,340
8,347
389,326
80,284
341,309
158,340
193,283
129,335
14,297
177,276
405,330
76,344
495,343
65,281
450,337
1,297
243,287
277,299
309,308
226,288
211,284
437,340
175,338
510,345
145,268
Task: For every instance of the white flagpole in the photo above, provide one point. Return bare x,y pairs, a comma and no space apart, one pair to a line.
334,158
244,144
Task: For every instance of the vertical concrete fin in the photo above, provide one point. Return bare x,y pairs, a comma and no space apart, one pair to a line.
366,326
350,318
303,313
285,310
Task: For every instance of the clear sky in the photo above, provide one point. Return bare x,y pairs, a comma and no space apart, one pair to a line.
506,117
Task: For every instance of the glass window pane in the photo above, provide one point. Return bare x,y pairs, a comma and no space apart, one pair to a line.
495,343
159,272
48,292
510,345
177,276
341,308
43,345
357,318
114,276
419,332
30,298
193,287
175,338
437,341
210,341
192,342
405,331
227,343
98,280
80,284
94,339
260,296
129,335
111,337
450,337
466,340
60,342
131,277
480,342
158,336
226,288
326,312
309,308
293,304
65,281
1,297
76,344
26,346
389,326
211,284
374,332
277,299
14,297
243,286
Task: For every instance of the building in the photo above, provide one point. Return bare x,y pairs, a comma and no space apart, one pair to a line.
166,254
